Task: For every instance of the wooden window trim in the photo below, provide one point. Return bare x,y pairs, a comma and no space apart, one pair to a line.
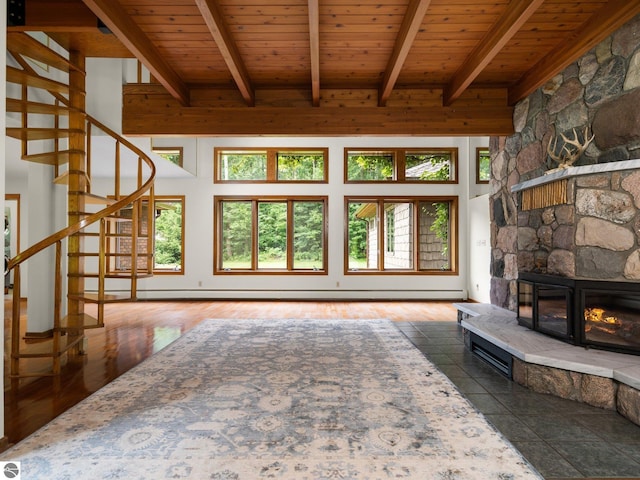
380,201
113,249
218,201
478,150
161,150
399,164
181,199
272,163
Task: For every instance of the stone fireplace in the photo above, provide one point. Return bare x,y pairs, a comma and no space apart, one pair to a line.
579,224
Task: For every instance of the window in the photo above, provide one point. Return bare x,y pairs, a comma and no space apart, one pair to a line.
270,235
168,239
401,165
172,154
483,165
271,165
398,235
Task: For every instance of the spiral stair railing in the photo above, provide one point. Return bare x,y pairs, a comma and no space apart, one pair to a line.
119,253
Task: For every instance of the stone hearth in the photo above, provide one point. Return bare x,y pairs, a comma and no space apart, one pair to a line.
546,365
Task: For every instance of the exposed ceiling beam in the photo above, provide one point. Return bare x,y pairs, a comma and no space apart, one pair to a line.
149,110
599,26
314,44
516,14
218,29
128,32
311,121
407,34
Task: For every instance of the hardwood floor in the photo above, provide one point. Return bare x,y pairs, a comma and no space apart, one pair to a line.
134,331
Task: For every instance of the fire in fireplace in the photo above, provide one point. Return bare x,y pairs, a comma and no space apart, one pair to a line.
601,314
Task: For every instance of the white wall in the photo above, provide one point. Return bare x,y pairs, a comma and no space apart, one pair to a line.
479,249
199,281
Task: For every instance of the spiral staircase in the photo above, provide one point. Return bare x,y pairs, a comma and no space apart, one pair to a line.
108,242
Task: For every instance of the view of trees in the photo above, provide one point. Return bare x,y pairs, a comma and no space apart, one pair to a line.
168,239
276,235
300,166
368,166
484,166
243,166
379,166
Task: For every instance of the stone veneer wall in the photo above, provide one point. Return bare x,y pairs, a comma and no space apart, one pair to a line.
595,235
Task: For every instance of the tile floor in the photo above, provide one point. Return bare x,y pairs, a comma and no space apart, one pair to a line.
562,439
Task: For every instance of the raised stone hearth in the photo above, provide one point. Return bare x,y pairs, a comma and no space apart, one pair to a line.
546,365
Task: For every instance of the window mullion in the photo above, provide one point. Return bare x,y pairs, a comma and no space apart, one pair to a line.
381,234
289,234
272,165
254,235
416,235
400,165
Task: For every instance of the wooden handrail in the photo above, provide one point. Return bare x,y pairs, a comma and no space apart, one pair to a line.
85,222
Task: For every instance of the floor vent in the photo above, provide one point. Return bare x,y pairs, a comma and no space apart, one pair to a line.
498,358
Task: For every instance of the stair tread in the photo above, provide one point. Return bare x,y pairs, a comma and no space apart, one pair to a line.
98,199
121,276
15,75
85,321
41,133
106,298
51,158
44,348
26,45
16,105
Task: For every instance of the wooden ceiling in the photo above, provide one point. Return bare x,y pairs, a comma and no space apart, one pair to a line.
332,67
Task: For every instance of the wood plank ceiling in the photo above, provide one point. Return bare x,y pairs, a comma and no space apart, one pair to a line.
332,67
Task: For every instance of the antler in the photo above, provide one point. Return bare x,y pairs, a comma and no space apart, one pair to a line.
566,157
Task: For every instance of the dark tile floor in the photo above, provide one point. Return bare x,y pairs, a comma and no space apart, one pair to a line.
562,439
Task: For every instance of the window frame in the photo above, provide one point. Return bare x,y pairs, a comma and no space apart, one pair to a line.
478,156
380,201
161,151
399,163
166,271
113,247
218,202
271,175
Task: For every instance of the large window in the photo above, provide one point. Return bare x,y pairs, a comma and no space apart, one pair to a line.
271,165
270,235
168,239
401,165
400,235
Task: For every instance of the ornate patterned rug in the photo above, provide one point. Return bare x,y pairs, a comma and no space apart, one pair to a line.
279,399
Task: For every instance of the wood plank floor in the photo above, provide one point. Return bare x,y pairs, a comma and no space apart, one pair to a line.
134,331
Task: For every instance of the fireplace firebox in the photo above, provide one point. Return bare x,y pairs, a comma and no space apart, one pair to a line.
593,313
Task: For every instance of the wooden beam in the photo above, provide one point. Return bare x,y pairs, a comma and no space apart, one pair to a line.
128,32
516,14
411,23
57,16
606,20
143,115
314,43
220,33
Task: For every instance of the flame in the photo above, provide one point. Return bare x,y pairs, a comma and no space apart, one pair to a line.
597,315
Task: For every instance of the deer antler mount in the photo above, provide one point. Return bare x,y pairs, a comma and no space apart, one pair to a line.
571,150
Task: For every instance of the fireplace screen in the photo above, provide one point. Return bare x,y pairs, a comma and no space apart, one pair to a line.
553,310
602,314
612,318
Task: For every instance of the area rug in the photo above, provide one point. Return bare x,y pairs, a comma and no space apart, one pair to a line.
280,399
